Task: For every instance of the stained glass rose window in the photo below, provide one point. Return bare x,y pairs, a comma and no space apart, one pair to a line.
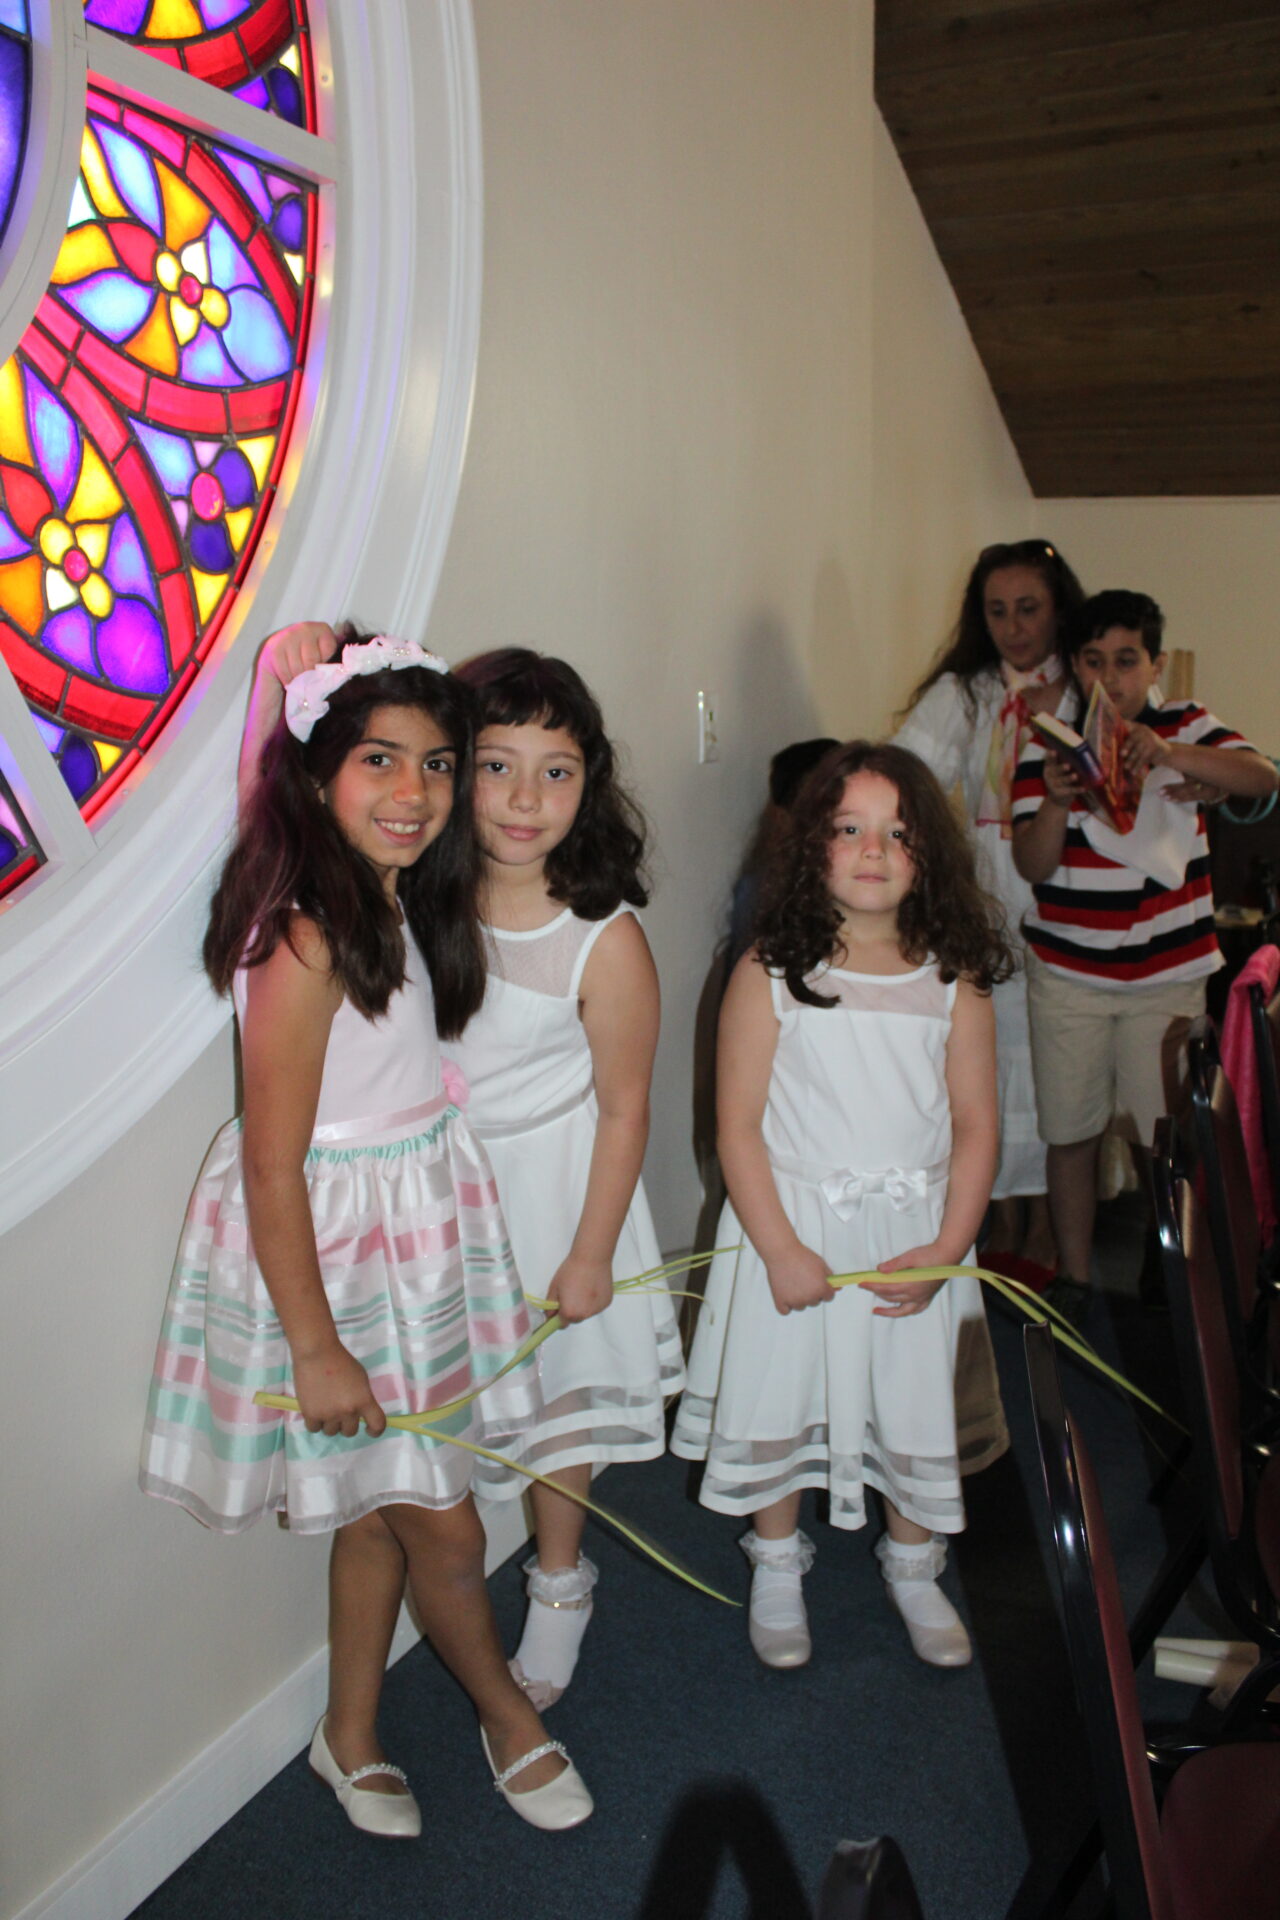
238,333
146,413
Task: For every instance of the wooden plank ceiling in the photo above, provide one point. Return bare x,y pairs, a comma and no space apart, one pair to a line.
1102,181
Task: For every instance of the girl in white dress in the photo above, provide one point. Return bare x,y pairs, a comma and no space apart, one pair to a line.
857,1130
558,1062
1008,657
345,1244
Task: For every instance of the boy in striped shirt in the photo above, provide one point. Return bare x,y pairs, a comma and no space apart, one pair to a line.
1121,934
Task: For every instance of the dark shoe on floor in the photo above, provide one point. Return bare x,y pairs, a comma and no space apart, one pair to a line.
1069,1298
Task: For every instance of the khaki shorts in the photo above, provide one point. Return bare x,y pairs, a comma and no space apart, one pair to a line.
1106,1056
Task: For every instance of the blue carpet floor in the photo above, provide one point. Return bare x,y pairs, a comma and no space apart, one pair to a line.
721,1787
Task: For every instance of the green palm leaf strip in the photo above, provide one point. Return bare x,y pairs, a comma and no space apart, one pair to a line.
426,1425
1029,1302
656,1279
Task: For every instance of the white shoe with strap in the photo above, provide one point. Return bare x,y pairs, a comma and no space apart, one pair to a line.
936,1630
562,1802
777,1624
394,1816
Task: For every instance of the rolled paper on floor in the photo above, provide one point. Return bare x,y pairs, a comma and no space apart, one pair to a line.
1222,1672
1232,1650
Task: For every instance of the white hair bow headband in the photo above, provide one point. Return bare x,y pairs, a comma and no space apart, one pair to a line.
306,699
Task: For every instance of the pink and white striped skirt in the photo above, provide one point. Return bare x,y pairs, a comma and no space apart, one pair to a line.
419,1275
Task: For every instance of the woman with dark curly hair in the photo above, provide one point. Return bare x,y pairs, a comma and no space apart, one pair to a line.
1007,657
857,1131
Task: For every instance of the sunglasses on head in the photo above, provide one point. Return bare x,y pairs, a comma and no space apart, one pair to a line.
1008,553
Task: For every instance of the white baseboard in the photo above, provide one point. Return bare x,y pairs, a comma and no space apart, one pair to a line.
119,1873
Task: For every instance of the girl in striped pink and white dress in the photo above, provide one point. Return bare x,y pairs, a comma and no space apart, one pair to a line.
345,1244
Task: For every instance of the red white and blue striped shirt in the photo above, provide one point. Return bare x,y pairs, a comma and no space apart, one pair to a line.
1095,918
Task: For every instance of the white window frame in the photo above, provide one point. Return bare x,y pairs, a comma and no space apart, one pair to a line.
102,1002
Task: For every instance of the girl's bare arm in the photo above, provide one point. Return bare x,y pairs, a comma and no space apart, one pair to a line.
284,656
975,1136
798,1277
620,1012
292,1000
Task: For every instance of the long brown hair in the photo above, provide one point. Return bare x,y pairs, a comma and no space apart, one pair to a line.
969,649
946,914
600,861
291,857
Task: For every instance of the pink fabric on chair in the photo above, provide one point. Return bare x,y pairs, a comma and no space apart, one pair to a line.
1240,1064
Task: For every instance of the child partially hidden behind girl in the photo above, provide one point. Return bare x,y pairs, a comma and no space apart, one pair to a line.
857,1130
345,1243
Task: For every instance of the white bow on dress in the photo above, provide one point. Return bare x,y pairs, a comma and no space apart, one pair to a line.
844,1192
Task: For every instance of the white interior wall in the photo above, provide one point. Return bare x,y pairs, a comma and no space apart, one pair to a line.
691,465
947,480
1214,567
667,470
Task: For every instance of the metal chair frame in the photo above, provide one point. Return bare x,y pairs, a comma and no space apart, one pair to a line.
1238,1488
1223,1174
1154,1860
1265,1019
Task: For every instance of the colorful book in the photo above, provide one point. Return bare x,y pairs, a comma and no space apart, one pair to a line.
1097,755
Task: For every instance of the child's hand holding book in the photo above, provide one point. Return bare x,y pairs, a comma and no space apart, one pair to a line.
1063,782
1143,749
1109,782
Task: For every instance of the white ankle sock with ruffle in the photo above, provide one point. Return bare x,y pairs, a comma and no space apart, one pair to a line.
559,1609
776,1598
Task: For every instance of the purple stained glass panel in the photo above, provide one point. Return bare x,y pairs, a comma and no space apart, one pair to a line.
15,93
20,851
259,50
144,417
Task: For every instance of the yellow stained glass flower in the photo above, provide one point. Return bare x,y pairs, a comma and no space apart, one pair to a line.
74,556
185,278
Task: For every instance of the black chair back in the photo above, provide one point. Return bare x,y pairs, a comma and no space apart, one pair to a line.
1224,1175
1266,1045
1241,1493
1206,1361
1098,1644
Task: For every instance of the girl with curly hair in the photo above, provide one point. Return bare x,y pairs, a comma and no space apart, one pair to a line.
558,1061
857,1130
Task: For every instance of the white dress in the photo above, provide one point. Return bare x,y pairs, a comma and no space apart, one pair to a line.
955,742
858,1131
527,1063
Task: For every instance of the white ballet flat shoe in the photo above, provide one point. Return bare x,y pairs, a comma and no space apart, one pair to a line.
777,1624
394,1816
563,1802
560,1608
935,1629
